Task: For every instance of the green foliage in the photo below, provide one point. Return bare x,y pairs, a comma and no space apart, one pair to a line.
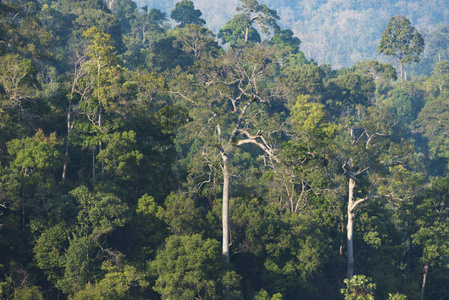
293,246
78,265
263,295
150,228
430,123
21,30
303,80
401,41
433,232
351,89
186,115
196,41
403,104
308,120
261,14
359,287
102,68
17,82
187,267
185,13
181,215
377,70
118,283
99,214
28,293
120,154
440,77
49,251
240,29
397,296
34,154
234,32
284,39
166,56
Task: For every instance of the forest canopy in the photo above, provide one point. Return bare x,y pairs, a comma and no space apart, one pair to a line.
146,154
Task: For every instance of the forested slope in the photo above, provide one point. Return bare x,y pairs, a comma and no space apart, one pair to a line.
140,159
336,32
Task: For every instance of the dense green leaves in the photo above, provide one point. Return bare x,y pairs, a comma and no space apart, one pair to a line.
188,267
192,170
401,41
185,13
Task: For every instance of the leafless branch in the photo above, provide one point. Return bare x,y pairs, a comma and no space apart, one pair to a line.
370,138
367,198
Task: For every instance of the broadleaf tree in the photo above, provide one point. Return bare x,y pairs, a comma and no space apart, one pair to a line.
402,41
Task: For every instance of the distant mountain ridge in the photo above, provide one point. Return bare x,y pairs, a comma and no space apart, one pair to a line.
335,32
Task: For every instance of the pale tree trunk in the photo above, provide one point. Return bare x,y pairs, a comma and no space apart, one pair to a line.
246,34
342,238
225,212
70,125
402,71
78,73
100,145
110,4
423,287
66,140
350,228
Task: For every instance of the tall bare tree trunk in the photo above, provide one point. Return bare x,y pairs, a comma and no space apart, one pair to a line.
66,159
66,140
423,287
402,71
342,238
100,144
71,123
349,228
225,213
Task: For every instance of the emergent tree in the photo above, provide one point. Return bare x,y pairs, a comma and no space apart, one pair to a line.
401,41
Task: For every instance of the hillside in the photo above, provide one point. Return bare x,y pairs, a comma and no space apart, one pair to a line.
140,159
335,32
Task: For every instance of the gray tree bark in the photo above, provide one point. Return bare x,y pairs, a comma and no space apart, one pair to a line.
350,228
225,212
423,287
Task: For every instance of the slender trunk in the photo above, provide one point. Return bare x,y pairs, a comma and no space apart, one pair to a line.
225,218
246,34
66,140
423,287
349,228
69,126
342,234
402,71
99,119
100,145
66,159
225,213
93,164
